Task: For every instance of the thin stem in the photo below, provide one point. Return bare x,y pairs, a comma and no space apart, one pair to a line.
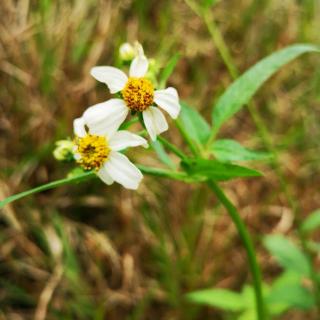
129,123
247,242
47,186
176,175
207,17
172,148
220,44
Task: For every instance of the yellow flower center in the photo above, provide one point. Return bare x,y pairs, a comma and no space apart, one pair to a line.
138,94
94,151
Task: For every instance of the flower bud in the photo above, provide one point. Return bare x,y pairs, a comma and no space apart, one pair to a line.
127,52
64,150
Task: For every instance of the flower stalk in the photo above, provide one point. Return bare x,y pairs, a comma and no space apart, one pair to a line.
247,242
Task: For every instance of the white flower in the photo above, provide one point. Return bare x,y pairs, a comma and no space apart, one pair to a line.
138,94
97,149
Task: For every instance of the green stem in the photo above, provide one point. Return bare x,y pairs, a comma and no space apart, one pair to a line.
176,175
129,123
87,175
245,237
172,148
217,38
220,44
50,185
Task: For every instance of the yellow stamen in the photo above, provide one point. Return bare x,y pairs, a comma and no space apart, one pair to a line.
138,94
94,151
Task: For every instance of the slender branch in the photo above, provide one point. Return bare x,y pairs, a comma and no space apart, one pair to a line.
220,44
172,148
247,242
176,175
50,185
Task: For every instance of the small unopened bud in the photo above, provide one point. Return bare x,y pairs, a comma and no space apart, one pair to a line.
64,150
127,52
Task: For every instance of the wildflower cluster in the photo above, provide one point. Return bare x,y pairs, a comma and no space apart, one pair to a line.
98,139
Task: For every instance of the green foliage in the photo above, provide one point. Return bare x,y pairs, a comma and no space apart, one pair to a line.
219,298
206,4
162,154
167,71
288,292
241,91
312,222
195,126
226,150
287,254
242,303
218,171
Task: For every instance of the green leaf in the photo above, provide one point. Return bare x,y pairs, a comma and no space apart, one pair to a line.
167,71
287,292
287,254
50,185
215,170
208,3
219,298
242,90
312,221
195,126
250,314
163,173
162,154
226,150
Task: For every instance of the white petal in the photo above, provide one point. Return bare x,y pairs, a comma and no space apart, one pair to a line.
123,139
168,100
105,118
155,122
123,171
79,127
114,78
105,176
139,66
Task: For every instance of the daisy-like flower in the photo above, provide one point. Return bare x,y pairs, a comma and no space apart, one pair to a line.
138,94
96,148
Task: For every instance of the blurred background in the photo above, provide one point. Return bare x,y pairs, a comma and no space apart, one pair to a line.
89,251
